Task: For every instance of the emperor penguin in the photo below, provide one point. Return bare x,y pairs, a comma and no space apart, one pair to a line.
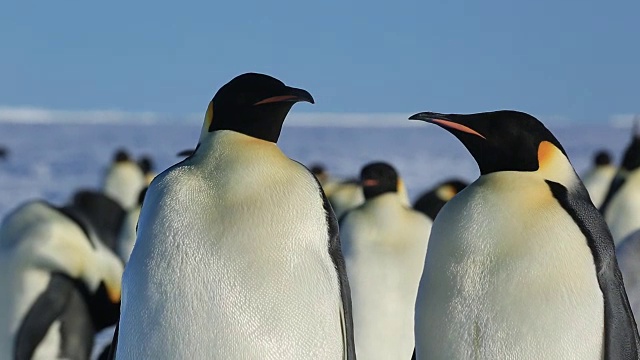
53,272
237,253
384,243
520,263
599,177
621,206
124,180
433,200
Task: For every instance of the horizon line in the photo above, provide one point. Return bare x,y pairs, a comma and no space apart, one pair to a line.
40,115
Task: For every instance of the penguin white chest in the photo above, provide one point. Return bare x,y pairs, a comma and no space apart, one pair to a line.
508,274
232,266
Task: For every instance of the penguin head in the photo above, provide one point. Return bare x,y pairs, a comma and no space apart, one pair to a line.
378,178
121,155
146,164
602,158
505,141
252,104
631,157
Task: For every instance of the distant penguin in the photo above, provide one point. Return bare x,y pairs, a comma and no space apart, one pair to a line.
237,254
123,180
4,153
628,255
127,235
384,243
621,206
148,168
327,182
346,195
520,264
433,200
51,263
599,177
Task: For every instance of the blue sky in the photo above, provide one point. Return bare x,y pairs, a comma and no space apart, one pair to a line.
571,59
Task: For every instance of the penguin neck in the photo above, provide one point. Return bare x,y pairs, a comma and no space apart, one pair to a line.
385,199
221,142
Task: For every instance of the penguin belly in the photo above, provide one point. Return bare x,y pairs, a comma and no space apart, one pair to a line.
387,246
623,213
232,267
508,274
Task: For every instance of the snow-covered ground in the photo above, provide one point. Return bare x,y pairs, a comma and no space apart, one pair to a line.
51,161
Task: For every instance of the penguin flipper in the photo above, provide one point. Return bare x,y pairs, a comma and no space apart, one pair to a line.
45,310
621,340
335,251
76,328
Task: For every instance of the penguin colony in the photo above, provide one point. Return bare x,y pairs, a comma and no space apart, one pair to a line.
238,252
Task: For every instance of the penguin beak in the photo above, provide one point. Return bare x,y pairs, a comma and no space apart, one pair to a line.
291,95
446,122
188,152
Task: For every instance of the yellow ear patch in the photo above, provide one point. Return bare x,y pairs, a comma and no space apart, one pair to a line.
446,192
546,153
208,117
554,165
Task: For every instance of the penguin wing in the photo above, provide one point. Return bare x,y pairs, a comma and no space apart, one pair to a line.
76,328
621,340
45,310
335,251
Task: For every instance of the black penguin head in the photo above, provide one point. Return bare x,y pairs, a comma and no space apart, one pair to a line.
146,164
500,140
253,104
121,155
631,158
601,158
378,178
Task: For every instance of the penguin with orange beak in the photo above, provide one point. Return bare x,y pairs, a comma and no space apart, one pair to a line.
520,263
